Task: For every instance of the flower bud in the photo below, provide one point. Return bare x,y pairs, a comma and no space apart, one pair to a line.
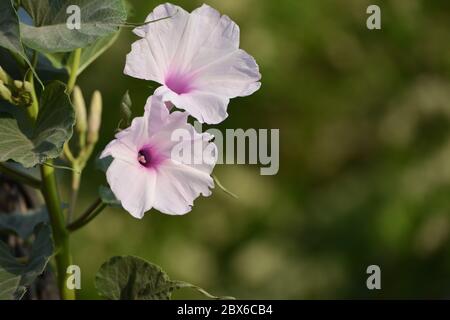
5,93
80,110
21,93
95,117
4,77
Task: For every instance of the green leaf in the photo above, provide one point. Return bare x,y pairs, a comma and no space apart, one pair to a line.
50,32
108,197
132,278
15,276
23,223
10,32
9,286
54,126
88,55
103,163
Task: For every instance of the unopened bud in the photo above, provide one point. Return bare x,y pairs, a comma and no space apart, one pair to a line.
22,86
21,93
4,76
95,117
5,93
80,110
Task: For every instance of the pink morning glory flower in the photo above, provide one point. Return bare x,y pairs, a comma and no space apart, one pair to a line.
145,174
196,58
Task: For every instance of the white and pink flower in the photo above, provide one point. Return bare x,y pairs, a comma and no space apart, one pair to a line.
145,175
196,58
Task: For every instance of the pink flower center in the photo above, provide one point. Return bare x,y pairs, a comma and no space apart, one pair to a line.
148,158
145,158
179,83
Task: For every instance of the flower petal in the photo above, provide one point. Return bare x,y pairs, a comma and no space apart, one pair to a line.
119,150
141,64
150,57
178,186
206,29
135,135
223,33
156,114
233,75
133,185
204,106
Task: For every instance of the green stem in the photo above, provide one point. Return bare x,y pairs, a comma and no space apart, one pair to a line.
76,181
60,234
74,70
78,165
33,109
20,176
94,210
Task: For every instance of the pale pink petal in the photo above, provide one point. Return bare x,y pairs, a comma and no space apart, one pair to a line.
134,186
151,57
171,18
156,114
234,75
119,150
204,106
206,29
188,147
223,33
136,135
128,141
142,64
178,186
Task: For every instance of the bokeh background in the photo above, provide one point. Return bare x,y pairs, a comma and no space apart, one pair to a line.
364,119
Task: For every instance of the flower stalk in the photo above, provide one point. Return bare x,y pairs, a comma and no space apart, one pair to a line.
60,234
74,70
87,131
94,210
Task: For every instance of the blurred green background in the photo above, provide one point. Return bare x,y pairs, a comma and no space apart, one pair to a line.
364,119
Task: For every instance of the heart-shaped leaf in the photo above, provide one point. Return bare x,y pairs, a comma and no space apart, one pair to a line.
15,275
54,126
51,32
10,32
132,278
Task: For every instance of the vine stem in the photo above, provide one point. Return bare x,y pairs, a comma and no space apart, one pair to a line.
74,70
76,177
94,210
60,233
50,192
33,109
